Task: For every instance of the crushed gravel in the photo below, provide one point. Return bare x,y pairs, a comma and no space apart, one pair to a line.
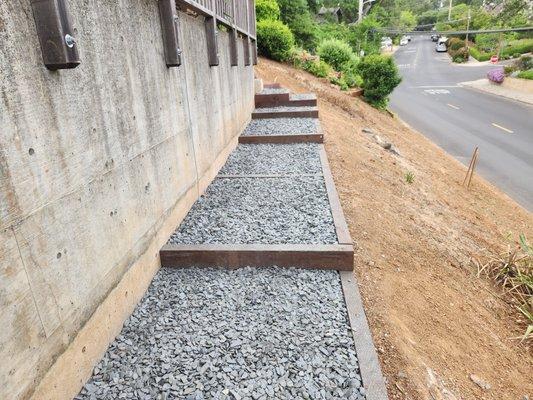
291,210
243,334
282,126
285,108
303,96
273,159
274,91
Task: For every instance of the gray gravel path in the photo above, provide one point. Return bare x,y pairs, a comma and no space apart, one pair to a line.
291,210
282,126
269,159
242,334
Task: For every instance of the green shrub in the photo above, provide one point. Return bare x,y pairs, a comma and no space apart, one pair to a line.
524,63
318,68
479,55
380,77
274,40
486,42
508,69
335,52
350,74
526,74
455,44
295,13
517,47
460,55
266,9
340,81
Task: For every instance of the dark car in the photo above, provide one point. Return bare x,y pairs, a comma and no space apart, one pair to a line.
434,37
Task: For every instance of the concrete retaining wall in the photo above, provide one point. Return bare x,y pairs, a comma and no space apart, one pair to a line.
97,167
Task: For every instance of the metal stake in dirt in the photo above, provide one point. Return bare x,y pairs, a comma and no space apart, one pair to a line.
471,168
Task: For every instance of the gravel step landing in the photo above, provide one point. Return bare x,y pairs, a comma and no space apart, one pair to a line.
273,159
282,126
245,334
273,91
292,210
285,112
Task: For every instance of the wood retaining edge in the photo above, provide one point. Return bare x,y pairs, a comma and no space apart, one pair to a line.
310,256
282,139
369,368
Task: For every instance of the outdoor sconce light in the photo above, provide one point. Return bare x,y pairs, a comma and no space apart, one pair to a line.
54,29
169,25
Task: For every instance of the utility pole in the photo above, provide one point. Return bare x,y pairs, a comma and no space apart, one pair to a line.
467,27
450,10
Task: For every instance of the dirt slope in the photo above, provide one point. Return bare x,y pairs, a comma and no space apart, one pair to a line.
433,321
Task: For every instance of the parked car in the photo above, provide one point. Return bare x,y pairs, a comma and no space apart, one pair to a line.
403,41
434,37
408,37
441,45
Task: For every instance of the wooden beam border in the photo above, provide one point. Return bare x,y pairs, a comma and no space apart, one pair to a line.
343,233
369,367
282,139
310,256
285,114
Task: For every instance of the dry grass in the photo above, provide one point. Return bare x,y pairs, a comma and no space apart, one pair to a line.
513,271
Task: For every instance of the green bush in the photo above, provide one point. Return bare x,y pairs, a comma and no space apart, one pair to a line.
455,44
266,9
350,74
524,63
295,13
318,68
339,81
274,40
380,77
479,55
508,69
517,47
526,74
460,55
335,52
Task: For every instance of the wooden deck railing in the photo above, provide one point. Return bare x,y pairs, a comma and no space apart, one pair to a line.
238,16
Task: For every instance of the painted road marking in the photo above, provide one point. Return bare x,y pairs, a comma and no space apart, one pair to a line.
404,65
502,128
437,91
435,87
452,106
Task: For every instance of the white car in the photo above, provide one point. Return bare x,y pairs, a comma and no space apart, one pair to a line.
441,46
403,41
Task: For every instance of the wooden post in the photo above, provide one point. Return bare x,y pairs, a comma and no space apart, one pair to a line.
233,37
170,28
211,35
471,168
254,52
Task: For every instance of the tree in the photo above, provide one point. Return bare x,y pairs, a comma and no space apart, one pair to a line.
407,21
295,13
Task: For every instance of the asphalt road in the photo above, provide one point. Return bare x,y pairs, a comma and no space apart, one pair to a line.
459,118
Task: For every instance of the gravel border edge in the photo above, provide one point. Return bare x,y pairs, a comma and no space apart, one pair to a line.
370,370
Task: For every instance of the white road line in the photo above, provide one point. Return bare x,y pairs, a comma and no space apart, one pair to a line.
434,86
452,106
502,128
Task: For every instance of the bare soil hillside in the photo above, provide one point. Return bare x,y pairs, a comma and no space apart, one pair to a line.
434,322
